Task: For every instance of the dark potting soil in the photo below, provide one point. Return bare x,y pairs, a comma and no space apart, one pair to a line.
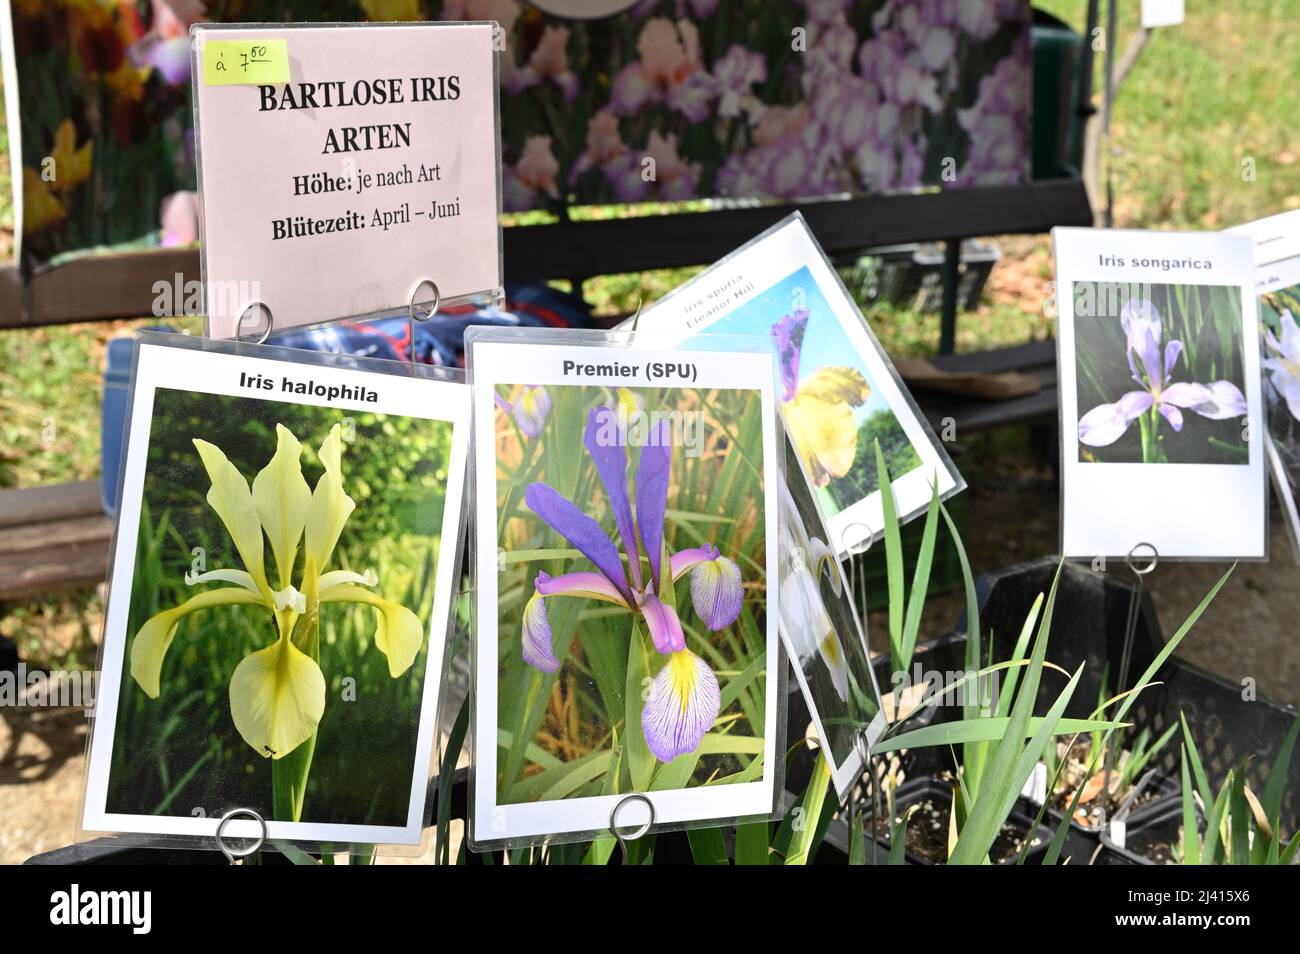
927,835
1089,815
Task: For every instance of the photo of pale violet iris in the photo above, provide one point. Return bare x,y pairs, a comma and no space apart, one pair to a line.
1177,395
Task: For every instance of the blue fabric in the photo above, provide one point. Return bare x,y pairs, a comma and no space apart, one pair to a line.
440,340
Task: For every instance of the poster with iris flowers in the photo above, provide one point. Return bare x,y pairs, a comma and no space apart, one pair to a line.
839,392
824,634
1277,260
280,591
626,500
1162,431
741,99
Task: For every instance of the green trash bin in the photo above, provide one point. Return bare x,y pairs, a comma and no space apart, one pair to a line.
1058,129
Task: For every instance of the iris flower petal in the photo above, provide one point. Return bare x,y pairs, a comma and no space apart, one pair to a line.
589,585
536,645
821,422
232,501
717,593
330,505
821,558
803,611
1171,414
837,665
665,627
155,636
1226,401
1148,351
582,532
1106,423
1172,350
282,498
277,698
531,410
1186,394
238,577
652,496
335,578
606,445
685,560
789,332
398,633
683,704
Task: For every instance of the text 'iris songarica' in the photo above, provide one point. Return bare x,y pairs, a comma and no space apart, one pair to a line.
684,697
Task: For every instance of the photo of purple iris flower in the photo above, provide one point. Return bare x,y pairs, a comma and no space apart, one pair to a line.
684,698
529,410
1162,353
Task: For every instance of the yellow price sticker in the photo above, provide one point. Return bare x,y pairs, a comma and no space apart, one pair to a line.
238,62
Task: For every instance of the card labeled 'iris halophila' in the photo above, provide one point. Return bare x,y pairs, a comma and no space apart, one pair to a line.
839,391
627,599
281,585
1161,417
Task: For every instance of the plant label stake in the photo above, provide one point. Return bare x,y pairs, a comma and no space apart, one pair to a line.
640,831
236,855
1130,634
411,318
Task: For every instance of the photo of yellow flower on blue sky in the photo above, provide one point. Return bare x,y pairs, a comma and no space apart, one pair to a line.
834,408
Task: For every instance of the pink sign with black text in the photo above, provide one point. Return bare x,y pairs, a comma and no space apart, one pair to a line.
345,170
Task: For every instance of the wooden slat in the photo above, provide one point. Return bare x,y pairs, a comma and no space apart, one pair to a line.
29,505
52,538
121,285
54,534
57,568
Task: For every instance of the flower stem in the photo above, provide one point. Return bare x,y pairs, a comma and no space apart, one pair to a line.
289,774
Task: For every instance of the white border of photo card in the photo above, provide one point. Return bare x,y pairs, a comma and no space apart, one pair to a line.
1276,240
497,356
1186,511
757,266
211,367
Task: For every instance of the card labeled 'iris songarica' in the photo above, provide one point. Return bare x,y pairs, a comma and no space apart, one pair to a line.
684,698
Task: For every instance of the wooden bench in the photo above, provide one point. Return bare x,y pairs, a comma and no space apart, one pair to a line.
52,538
1036,359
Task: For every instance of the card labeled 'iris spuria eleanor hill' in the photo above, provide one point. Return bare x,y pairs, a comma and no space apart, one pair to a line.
627,509
839,391
281,584
1162,439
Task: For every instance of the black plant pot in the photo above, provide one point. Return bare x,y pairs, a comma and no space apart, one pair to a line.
1088,629
1081,841
932,792
1149,836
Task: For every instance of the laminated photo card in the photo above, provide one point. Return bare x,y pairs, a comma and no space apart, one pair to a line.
281,584
1277,275
1162,428
626,646
344,169
824,634
839,391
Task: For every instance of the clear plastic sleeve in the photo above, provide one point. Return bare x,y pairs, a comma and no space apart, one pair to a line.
282,575
627,663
